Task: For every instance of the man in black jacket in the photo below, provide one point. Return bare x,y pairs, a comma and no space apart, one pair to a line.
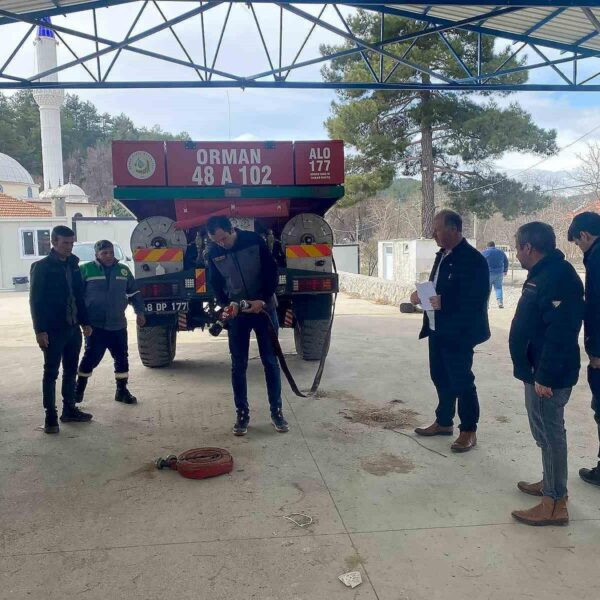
457,323
585,233
544,349
240,267
58,310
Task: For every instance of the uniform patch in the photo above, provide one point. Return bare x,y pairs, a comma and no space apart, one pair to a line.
218,258
124,272
556,303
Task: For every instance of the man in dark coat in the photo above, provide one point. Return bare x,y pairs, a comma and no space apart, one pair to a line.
544,350
585,233
58,311
457,323
240,267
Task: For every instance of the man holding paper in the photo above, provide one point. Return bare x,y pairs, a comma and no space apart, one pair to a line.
455,321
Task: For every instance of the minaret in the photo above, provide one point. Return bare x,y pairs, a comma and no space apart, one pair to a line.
49,101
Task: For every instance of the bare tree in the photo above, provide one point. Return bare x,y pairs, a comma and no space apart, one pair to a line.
588,172
97,177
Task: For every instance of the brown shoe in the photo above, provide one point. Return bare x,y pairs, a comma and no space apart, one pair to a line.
533,489
467,440
548,512
434,429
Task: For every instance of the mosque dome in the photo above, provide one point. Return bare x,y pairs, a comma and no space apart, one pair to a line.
12,171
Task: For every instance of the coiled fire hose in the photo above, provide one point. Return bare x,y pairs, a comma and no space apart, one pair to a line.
198,463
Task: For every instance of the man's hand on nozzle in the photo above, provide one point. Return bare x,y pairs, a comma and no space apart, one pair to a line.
414,298
141,319
255,307
42,340
595,362
87,330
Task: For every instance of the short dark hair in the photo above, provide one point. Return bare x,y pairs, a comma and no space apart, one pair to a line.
538,235
588,222
61,231
103,245
218,222
451,219
491,244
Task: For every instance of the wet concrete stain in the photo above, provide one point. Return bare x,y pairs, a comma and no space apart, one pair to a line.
387,463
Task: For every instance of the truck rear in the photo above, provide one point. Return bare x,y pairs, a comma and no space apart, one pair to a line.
281,190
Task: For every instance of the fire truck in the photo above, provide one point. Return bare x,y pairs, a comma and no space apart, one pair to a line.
281,190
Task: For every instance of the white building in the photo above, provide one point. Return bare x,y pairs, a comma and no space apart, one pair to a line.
24,237
15,181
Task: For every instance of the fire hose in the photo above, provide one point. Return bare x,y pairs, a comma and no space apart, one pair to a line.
198,463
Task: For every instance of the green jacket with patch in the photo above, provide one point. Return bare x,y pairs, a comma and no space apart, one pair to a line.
107,291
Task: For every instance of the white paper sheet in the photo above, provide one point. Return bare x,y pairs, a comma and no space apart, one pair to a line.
426,290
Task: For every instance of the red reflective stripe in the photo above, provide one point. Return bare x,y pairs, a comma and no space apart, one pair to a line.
324,249
169,254
142,253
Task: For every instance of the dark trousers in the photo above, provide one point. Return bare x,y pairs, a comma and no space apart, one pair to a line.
450,366
239,343
96,346
64,346
594,381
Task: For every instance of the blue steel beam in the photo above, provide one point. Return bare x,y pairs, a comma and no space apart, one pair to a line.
241,83
364,44
427,30
515,37
545,20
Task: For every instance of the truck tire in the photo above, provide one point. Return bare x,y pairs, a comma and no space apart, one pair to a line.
309,337
157,345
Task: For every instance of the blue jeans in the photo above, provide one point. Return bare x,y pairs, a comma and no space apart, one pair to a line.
239,343
546,419
496,283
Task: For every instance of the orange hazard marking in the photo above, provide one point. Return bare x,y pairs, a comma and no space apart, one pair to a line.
200,281
308,251
158,254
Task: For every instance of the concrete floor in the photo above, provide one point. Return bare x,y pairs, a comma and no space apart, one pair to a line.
85,514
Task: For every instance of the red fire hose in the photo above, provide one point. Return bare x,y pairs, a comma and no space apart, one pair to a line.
198,463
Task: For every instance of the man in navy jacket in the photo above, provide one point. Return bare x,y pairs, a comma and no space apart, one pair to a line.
240,267
457,323
544,348
585,233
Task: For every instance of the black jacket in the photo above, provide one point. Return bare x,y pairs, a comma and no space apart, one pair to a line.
245,272
591,322
49,293
544,333
464,285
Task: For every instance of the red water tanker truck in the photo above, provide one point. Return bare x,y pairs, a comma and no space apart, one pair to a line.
281,190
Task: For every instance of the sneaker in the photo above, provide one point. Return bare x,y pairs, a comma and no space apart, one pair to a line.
71,414
280,424
51,423
240,426
591,475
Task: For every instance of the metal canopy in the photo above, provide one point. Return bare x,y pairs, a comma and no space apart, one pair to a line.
560,37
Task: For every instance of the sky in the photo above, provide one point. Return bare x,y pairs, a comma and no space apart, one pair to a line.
220,114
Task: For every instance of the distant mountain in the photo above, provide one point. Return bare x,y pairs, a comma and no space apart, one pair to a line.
547,180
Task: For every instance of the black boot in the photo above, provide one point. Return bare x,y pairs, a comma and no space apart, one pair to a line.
123,394
591,475
51,423
80,388
71,414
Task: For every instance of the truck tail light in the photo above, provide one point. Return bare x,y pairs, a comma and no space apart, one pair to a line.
159,290
317,284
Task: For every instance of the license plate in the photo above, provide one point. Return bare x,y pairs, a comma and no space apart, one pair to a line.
166,306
